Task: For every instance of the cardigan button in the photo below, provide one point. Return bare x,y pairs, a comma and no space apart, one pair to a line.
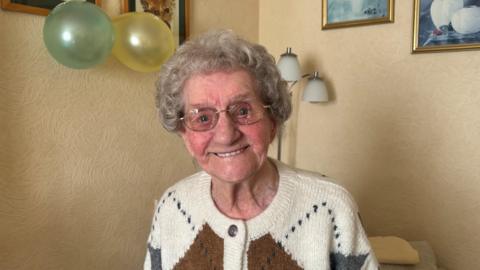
232,230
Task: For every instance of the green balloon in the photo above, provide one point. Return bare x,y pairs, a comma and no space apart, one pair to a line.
78,34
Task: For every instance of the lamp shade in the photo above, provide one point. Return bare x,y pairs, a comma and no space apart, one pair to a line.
289,67
315,90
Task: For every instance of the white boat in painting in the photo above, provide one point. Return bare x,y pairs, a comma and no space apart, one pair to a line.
466,20
443,10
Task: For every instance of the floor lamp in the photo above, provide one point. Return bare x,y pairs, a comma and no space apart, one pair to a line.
314,91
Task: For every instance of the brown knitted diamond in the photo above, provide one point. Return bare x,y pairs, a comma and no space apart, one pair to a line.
206,252
265,254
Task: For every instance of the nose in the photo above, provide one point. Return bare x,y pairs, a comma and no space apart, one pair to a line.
226,131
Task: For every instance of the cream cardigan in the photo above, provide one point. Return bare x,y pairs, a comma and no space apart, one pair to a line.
311,223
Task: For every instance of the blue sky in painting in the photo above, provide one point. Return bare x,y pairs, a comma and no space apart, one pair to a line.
350,10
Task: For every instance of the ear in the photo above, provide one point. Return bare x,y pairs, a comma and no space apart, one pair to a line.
273,131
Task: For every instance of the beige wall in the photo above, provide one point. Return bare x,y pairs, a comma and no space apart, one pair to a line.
82,158
82,154
402,131
240,16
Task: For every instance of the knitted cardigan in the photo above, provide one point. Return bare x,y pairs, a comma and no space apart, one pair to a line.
310,224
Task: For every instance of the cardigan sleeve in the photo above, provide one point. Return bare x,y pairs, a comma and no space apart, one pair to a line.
356,251
371,262
147,265
153,257
351,248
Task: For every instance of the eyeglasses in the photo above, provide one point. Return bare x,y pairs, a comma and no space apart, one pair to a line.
242,113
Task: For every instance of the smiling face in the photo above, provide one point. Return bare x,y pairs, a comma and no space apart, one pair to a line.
229,152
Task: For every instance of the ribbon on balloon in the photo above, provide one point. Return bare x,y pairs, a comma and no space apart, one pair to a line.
79,35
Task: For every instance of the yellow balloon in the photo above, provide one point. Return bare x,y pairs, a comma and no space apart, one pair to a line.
143,42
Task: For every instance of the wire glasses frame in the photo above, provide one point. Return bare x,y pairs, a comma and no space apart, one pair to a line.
243,113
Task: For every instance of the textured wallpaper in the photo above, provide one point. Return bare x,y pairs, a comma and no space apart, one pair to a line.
82,158
402,131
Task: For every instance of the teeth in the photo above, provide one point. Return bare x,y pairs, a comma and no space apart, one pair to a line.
230,154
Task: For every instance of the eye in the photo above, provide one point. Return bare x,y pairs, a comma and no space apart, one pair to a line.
242,110
203,118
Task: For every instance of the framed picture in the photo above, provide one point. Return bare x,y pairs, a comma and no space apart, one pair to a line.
39,7
128,6
441,25
175,13
346,13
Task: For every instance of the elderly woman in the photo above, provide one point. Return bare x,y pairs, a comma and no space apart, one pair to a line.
225,98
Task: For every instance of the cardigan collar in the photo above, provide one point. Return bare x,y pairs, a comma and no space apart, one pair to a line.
260,224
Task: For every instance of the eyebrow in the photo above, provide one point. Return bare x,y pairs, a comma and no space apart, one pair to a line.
243,97
236,99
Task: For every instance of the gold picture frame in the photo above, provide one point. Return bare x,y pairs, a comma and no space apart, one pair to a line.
430,36
348,13
34,7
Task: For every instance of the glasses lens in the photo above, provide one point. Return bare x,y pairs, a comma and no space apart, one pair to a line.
242,113
201,119
245,113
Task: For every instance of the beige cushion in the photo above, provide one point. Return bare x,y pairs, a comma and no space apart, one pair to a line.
393,250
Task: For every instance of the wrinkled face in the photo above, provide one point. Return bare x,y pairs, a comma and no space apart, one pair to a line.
229,152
